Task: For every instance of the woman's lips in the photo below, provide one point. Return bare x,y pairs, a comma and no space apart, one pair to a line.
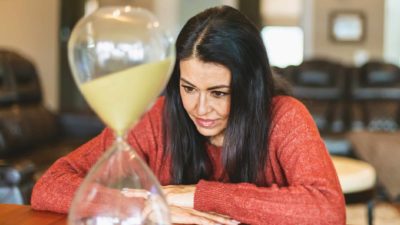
206,123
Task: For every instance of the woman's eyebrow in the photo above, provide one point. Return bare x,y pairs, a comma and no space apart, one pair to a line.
210,88
218,87
187,82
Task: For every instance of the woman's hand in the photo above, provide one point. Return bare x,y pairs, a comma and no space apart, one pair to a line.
180,195
183,215
180,198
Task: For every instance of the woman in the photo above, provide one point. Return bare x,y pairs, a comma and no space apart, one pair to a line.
230,150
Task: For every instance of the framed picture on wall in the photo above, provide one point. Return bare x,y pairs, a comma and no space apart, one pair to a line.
347,26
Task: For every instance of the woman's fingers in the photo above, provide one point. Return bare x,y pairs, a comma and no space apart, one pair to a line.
182,212
191,216
181,199
135,193
221,219
180,195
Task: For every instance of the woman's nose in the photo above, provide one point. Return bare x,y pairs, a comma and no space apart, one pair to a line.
202,105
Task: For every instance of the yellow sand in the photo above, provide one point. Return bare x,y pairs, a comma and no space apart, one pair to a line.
121,98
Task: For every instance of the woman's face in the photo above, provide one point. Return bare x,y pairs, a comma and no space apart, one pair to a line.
205,92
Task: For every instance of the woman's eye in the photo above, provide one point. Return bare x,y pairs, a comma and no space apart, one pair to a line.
219,94
188,89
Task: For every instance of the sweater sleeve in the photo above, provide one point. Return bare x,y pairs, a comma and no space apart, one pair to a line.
55,189
312,194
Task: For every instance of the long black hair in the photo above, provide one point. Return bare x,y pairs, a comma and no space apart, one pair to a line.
224,36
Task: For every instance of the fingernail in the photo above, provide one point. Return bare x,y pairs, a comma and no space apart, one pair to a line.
235,222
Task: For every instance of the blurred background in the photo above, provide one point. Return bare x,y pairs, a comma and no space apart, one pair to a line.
341,58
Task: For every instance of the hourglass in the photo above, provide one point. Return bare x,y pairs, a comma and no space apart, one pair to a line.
121,60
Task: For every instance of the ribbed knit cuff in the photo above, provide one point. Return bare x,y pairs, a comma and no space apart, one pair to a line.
212,196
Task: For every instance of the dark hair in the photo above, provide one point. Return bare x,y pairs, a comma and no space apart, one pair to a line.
224,36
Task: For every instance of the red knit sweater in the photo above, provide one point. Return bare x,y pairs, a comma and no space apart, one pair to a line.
302,185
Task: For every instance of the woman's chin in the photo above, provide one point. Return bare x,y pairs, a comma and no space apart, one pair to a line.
208,132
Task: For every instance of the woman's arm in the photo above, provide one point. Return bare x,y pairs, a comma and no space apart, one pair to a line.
55,189
302,204
311,197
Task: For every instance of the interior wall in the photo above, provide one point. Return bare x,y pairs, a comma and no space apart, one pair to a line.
141,3
281,12
191,7
307,23
175,14
31,28
323,46
392,32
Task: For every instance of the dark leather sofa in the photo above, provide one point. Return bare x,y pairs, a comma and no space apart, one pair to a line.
24,124
31,136
24,121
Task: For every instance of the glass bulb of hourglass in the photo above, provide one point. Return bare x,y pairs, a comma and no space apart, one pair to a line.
121,60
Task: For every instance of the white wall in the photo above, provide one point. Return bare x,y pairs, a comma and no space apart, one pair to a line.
31,28
392,32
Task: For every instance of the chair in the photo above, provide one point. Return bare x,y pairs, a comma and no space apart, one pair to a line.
24,121
321,85
375,106
375,112
375,97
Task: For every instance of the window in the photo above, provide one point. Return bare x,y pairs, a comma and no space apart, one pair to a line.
284,45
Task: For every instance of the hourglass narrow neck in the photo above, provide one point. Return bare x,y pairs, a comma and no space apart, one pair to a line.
121,143
120,137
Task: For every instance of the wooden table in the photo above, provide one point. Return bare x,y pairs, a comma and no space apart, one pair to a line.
24,215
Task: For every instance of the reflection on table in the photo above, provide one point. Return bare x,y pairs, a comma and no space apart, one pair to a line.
23,215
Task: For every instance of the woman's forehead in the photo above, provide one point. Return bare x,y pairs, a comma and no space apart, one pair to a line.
198,72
